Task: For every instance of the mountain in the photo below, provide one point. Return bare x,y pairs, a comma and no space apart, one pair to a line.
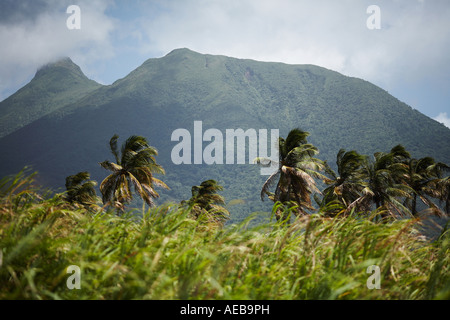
172,92
54,86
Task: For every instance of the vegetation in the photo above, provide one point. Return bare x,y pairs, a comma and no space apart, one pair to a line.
53,87
444,195
296,172
390,182
367,210
205,203
345,186
81,190
165,255
424,176
135,166
184,251
173,91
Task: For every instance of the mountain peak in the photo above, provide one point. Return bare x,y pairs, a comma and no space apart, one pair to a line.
65,64
181,51
55,85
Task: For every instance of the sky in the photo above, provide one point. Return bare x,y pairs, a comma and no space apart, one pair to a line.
403,46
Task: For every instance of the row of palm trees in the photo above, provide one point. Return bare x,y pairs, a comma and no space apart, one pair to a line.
391,183
135,166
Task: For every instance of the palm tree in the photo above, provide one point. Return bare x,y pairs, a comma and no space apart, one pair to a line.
206,203
134,166
297,169
381,186
424,177
443,185
81,190
345,186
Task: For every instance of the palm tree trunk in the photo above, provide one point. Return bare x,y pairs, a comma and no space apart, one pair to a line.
378,204
414,204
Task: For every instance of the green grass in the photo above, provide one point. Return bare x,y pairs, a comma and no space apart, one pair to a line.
164,255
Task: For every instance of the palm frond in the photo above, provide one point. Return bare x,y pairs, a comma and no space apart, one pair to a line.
111,166
107,187
113,147
159,183
264,162
295,138
268,183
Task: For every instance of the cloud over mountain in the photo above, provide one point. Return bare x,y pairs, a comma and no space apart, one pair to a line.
34,33
408,56
444,119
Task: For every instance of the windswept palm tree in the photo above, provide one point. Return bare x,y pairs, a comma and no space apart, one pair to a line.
297,169
81,190
135,166
345,185
381,186
206,203
424,178
443,185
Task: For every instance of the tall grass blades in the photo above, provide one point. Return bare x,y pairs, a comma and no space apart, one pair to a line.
164,254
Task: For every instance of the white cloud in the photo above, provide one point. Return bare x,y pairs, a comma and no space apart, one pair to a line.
410,51
414,39
411,48
444,119
29,44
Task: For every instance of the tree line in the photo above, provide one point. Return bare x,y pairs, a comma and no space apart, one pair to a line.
389,184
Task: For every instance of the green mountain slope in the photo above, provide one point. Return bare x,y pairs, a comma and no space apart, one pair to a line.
54,86
172,92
